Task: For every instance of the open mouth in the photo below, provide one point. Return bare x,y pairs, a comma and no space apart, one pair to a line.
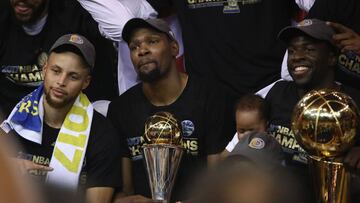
300,70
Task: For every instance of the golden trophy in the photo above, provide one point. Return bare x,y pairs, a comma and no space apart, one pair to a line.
325,123
162,153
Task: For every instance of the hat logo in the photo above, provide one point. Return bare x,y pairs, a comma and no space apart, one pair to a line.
257,143
305,22
76,39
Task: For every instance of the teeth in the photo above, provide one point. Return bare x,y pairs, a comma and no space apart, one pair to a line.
301,68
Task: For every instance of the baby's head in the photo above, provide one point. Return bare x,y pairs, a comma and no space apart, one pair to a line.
251,113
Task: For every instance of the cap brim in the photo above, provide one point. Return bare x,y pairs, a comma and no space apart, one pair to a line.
132,25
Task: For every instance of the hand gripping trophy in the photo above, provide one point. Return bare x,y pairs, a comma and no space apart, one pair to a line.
325,123
162,153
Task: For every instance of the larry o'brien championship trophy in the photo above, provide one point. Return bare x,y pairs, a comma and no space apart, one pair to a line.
162,153
325,123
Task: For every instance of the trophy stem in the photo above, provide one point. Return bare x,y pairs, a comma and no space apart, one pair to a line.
331,181
162,162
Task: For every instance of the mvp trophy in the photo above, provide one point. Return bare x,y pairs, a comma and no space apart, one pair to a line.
162,153
324,123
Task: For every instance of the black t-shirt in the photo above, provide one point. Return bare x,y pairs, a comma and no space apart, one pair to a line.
239,49
282,99
206,122
22,56
345,12
101,166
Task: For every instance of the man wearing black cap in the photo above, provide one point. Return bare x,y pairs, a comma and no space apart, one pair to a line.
199,106
64,139
311,64
28,30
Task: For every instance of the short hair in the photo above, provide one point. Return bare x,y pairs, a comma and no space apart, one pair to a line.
250,102
70,48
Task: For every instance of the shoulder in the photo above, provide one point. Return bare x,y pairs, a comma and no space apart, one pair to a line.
126,102
101,124
202,86
130,95
281,87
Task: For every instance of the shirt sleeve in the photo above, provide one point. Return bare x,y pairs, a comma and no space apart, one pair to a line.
220,122
305,4
112,15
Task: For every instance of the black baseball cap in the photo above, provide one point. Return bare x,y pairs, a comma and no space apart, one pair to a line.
261,148
85,47
135,23
314,28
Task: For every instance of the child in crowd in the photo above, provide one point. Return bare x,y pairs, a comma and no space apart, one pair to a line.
251,114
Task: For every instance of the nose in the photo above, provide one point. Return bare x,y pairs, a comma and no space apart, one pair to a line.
61,80
143,50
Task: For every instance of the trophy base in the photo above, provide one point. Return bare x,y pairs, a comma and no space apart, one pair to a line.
331,180
162,162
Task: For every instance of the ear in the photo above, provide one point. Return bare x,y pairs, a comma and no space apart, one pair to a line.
174,48
86,82
44,68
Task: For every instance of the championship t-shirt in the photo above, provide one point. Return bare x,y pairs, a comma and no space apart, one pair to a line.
101,166
205,118
282,98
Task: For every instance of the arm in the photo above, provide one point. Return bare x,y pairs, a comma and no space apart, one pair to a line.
220,124
127,195
112,15
99,194
305,4
128,187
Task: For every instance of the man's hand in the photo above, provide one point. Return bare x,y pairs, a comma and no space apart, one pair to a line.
345,38
134,199
352,159
26,166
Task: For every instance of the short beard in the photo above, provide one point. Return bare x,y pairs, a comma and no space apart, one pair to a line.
151,76
57,105
35,16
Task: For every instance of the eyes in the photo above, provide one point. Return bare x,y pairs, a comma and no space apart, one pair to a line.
242,131
307,50
72,76
133,46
